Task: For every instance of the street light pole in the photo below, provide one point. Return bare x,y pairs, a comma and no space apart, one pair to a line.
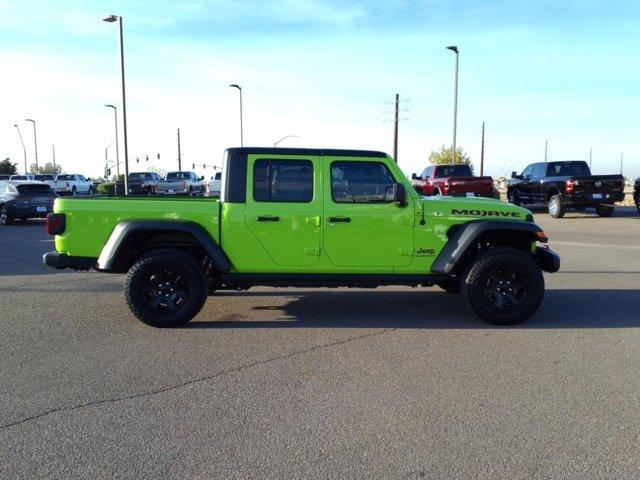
454,49
284,138
35,140
24,150
115,120
111,19
241,133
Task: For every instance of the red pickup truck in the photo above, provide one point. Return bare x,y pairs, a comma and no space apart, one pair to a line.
454,180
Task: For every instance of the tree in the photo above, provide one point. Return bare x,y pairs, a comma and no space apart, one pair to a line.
156,169
444,156
8,168
45,169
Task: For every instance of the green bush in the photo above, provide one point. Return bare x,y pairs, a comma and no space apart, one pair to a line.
107,188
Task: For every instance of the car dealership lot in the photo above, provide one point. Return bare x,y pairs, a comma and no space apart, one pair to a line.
275,383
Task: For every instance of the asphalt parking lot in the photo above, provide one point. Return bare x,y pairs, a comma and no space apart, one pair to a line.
270,383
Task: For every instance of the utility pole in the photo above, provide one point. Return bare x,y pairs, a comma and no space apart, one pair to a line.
35,140
395,128
454,49
482,153
621,160
179,154
546,144
53,154
590,156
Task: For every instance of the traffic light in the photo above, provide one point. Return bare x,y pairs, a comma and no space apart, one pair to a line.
158,156
147,158
193,166
137,159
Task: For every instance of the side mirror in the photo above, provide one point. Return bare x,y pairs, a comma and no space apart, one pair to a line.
400,194
514,174
414,176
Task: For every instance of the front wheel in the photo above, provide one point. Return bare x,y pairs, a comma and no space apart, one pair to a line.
503,286
74,191
166,288
556,208
604,210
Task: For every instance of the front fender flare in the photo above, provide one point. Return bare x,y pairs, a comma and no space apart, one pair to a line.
466,235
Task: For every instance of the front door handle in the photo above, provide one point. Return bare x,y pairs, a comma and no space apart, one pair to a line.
339,219
268,218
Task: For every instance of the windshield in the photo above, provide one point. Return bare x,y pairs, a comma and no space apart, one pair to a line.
444,171
178,176
34,189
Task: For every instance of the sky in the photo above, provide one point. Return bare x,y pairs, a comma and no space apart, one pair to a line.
565,72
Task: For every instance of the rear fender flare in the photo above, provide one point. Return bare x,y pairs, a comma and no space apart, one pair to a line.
112,253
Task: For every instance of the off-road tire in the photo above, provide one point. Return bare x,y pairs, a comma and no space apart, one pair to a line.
513,198
604,210
140,288
5,218
524,294
451,287
556,208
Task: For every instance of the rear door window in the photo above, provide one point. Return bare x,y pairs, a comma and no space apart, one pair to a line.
282,180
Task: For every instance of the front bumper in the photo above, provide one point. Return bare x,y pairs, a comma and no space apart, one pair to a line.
62,261
548,260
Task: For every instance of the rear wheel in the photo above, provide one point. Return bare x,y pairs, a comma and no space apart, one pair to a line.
556,208
5,218
74,191
604,210
637,202
503,286
166,288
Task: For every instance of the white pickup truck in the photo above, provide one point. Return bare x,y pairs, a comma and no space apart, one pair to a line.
48,178
72,184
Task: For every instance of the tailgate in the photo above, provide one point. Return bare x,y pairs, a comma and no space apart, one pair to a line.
599,184
471,184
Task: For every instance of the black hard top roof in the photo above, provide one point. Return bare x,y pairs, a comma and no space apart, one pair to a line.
307,151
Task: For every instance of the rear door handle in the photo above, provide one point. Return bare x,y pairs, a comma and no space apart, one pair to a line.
339,219
268,218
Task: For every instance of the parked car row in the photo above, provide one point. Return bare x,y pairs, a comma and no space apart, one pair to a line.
174,183
62,183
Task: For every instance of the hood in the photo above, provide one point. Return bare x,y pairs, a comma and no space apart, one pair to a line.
476,208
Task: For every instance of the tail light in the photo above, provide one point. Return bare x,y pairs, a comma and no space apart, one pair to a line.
56,223
569,186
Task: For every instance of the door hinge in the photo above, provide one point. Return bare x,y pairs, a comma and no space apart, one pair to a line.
315,251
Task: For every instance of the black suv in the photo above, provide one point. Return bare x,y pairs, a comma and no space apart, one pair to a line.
24,199
564,185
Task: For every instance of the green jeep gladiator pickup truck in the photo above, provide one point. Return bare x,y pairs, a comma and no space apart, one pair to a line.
305,218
